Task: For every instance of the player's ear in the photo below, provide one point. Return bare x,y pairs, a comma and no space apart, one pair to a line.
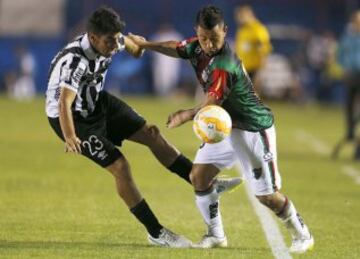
225,28
92,37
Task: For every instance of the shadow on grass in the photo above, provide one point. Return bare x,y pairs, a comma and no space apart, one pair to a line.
5,244
63,244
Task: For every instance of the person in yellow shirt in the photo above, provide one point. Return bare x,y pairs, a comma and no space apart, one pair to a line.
252,41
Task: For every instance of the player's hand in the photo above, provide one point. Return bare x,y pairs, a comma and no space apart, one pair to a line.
73,145
178,118
137,39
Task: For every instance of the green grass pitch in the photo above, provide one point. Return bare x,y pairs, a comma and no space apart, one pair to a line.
57,205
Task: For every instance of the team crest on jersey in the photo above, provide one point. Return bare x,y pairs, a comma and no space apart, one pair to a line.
257,173
268,157
198,50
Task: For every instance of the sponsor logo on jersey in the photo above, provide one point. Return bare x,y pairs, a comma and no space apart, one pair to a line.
79,72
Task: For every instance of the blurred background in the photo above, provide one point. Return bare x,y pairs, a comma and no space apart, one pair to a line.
304,59
302,64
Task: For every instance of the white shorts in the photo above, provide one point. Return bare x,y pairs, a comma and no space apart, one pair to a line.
256,152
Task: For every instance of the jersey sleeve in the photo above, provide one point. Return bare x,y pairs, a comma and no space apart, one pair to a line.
185,48
71,72
218,81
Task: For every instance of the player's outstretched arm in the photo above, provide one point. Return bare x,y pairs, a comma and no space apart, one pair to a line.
178,118
167,48
72,142
132,48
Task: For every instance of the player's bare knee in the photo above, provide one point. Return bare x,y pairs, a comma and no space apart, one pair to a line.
275,201
268,200
199,182
120,169
152,135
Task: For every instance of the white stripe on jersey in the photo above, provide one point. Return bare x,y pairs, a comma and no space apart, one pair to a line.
78,68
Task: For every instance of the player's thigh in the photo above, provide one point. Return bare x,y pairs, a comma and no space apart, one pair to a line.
258,158
221,155
99,149
122,121
94,145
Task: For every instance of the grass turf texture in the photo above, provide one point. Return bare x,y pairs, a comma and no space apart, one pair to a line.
56,205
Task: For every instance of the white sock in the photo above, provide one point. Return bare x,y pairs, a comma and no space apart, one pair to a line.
293,222
208,204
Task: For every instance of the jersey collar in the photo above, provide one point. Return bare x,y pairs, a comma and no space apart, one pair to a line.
88,49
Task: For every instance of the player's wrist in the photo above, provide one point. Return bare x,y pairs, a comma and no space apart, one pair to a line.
70,136
193,112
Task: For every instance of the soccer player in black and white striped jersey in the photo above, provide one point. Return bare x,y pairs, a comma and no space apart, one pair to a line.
92,122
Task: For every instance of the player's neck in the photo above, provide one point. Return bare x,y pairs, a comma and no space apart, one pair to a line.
97,53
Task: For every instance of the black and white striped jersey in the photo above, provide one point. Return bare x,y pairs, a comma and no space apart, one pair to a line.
79,68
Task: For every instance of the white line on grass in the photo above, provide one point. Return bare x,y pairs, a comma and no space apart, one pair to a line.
352,172
316,144
269,225
321,148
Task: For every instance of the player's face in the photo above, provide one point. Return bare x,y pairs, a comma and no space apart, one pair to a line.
106,44
211,41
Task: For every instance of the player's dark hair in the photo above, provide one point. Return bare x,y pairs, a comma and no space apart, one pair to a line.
209,16
105,20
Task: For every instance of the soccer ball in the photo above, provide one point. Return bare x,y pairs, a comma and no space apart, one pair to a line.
212,124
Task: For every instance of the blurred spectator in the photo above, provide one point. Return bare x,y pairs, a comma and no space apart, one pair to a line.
317,53
331,88
349,58
23,88
276,79
165,70
252,40
9,81
124,77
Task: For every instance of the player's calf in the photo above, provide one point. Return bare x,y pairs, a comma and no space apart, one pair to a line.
302,240
165,153
125,184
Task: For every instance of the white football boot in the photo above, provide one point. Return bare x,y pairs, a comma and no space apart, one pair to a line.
170,239
225,184
209,241
301,245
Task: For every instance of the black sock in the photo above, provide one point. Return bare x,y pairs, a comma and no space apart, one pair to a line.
144,214
182,167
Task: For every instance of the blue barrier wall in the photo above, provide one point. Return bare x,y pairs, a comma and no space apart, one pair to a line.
144,17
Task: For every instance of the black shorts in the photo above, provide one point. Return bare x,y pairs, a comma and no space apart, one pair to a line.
112,122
